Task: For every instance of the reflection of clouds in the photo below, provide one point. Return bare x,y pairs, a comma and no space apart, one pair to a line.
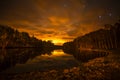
57,55
58,60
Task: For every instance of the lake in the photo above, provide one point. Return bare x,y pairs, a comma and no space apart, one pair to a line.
27,60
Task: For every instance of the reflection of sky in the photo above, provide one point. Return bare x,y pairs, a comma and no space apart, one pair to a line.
56,55
58,60
58,20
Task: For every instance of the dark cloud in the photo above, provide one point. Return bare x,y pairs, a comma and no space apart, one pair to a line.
58,19
47,32
67,38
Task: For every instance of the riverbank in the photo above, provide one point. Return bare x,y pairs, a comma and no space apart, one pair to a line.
104,68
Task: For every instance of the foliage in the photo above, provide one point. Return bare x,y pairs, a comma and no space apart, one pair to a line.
106,38
13,38
104,68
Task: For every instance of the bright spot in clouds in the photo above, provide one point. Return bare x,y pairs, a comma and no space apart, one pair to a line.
58,20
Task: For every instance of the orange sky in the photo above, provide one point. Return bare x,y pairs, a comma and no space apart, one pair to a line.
58,20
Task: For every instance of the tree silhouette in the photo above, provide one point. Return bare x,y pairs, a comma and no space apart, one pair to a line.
13,38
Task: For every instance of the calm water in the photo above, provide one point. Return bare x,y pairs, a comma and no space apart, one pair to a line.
26,60
37,61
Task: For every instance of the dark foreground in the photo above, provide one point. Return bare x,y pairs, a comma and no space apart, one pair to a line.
104,68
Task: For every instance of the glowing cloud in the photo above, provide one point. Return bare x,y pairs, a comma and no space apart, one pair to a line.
58,20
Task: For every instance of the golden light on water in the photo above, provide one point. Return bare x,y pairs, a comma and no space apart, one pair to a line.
55,53
58,53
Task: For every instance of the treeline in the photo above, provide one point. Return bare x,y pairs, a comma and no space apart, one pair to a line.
69,47
11,38
106,38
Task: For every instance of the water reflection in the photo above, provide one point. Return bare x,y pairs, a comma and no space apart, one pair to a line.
35,59
58,53
86,55
11,57
24,60
55,55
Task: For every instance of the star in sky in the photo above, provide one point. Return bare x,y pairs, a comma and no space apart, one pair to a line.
65,5
110,14
58,19
100,17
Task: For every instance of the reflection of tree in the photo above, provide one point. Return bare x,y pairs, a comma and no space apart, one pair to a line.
69,47
2,55
10,57
102,39
84,56
10,38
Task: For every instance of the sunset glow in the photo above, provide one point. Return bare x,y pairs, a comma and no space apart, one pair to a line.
59,39
55,41
59,21
58,42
